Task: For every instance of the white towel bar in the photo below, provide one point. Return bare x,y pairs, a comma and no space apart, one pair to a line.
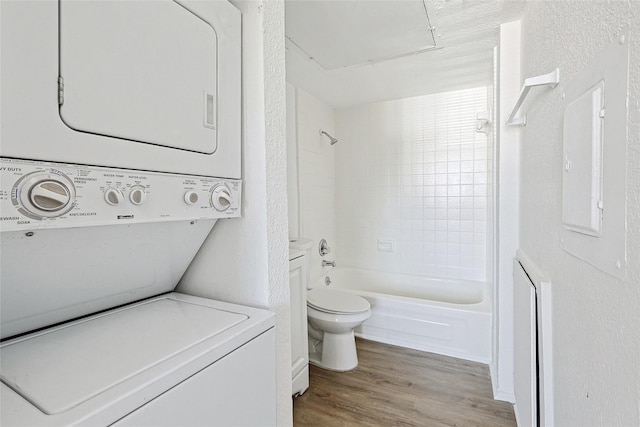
551,79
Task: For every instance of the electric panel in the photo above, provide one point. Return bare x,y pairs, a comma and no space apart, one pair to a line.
594,163
582,169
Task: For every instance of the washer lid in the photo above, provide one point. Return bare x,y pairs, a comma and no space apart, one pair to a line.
334,301
59,369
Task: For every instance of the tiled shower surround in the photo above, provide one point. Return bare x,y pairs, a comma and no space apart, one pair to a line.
414,186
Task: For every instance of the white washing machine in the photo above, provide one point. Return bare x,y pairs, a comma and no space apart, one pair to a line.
173,360
120,149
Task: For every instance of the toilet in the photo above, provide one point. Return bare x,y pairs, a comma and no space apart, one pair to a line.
333,315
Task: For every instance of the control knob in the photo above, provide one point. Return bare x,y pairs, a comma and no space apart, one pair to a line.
191,197
49,195
138,195
44,194
221,197
113,196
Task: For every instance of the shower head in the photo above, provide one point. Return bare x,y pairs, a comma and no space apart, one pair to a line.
332,139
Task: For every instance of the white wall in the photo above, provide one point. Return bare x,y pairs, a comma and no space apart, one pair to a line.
507,216
293,192
245,260
415,172
316,168
596,325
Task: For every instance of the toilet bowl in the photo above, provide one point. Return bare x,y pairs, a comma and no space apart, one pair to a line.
332,316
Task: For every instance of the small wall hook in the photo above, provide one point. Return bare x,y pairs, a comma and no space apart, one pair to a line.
483,123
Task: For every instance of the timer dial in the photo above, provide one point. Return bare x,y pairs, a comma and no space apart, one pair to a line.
49,195
221,197
44,194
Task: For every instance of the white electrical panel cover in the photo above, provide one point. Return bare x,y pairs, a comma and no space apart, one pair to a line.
582,153
594,160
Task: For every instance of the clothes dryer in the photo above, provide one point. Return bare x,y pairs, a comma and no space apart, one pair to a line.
146,85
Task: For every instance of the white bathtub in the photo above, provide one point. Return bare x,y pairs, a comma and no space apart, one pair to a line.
450,317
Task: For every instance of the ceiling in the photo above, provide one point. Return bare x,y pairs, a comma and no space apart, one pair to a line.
352,52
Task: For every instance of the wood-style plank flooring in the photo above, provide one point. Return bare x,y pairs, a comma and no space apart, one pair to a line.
394,386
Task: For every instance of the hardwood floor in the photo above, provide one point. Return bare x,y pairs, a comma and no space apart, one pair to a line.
394,386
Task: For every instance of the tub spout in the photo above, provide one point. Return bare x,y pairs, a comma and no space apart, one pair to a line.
326,263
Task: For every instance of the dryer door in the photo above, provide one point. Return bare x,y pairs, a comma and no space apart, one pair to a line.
144,71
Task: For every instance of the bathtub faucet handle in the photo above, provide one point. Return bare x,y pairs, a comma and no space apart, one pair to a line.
327,280
326,263
324,247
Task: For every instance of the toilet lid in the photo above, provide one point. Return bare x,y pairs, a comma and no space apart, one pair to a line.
332,301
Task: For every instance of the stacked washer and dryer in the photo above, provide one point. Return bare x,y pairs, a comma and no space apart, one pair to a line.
120,149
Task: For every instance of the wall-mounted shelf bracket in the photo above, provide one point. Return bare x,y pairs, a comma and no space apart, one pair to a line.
551,79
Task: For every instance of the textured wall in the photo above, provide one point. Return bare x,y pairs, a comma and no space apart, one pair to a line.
245,261
293,192
596,322
276,194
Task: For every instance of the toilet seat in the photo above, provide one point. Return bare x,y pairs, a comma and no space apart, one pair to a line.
336,302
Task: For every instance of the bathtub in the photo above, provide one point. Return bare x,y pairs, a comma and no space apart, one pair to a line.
449,317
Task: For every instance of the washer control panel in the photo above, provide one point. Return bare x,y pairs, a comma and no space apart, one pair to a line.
35,195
